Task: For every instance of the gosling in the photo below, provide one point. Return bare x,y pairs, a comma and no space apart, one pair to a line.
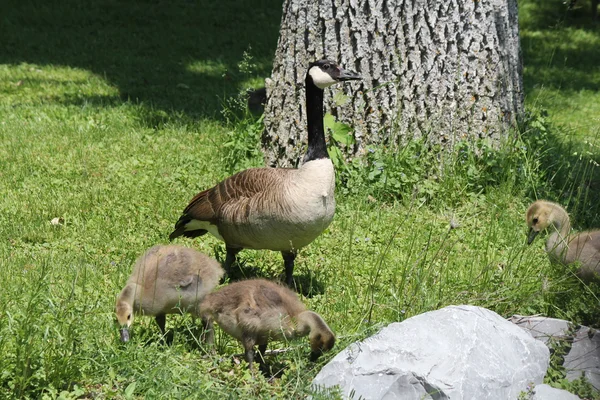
256,311
166,280
562,247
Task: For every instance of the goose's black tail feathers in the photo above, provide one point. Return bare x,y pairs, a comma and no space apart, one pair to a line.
180,229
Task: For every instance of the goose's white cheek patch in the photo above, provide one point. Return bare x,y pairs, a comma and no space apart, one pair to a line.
320,78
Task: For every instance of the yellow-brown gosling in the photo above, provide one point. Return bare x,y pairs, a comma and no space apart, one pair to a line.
562,246
166,280
256,311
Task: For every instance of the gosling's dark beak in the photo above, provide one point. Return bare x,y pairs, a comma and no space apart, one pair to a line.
347,75
124,334
532,235
314,355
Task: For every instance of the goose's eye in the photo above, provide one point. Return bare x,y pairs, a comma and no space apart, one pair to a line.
326,66
535,221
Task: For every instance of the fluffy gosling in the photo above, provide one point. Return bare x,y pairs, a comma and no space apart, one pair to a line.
256,311
561,246
166,280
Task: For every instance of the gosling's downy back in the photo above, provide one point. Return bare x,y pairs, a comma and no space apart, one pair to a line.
165,280
253,307
256,311
171,274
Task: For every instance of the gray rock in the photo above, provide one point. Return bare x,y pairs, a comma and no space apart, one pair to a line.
584,356
458,352
543,328
546,392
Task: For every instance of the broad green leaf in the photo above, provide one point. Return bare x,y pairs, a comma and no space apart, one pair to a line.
329,121
336,155
339,98
340,132
343,133
129,390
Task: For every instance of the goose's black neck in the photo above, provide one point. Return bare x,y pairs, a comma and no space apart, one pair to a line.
317,147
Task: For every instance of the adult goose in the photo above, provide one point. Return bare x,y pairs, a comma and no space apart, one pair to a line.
280,209
562,246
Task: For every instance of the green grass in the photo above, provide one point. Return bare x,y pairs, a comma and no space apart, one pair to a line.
111,118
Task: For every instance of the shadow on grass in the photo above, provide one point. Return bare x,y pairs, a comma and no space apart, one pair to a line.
305,284
544,15
569,172
560,46
241,271
560,51
178,56
308,285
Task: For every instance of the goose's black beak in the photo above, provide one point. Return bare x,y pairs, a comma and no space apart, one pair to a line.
347,75
124,334
532,235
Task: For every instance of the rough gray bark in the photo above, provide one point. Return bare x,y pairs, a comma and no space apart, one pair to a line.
447,70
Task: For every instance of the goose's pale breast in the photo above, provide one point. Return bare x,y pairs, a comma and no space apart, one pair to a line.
289,216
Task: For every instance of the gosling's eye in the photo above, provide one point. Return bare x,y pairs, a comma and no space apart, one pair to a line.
128,317
535,221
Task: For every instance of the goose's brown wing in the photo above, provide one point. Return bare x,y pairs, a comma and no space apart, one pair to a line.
208,204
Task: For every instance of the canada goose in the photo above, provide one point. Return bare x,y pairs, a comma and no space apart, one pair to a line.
256,311
280,209
562,247
166,280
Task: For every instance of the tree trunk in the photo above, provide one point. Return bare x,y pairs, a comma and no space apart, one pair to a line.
444,70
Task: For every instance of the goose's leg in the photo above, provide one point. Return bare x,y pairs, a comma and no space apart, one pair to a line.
248,343
263,367
288,262
249,355
262,349
230,259
208,334
161,320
